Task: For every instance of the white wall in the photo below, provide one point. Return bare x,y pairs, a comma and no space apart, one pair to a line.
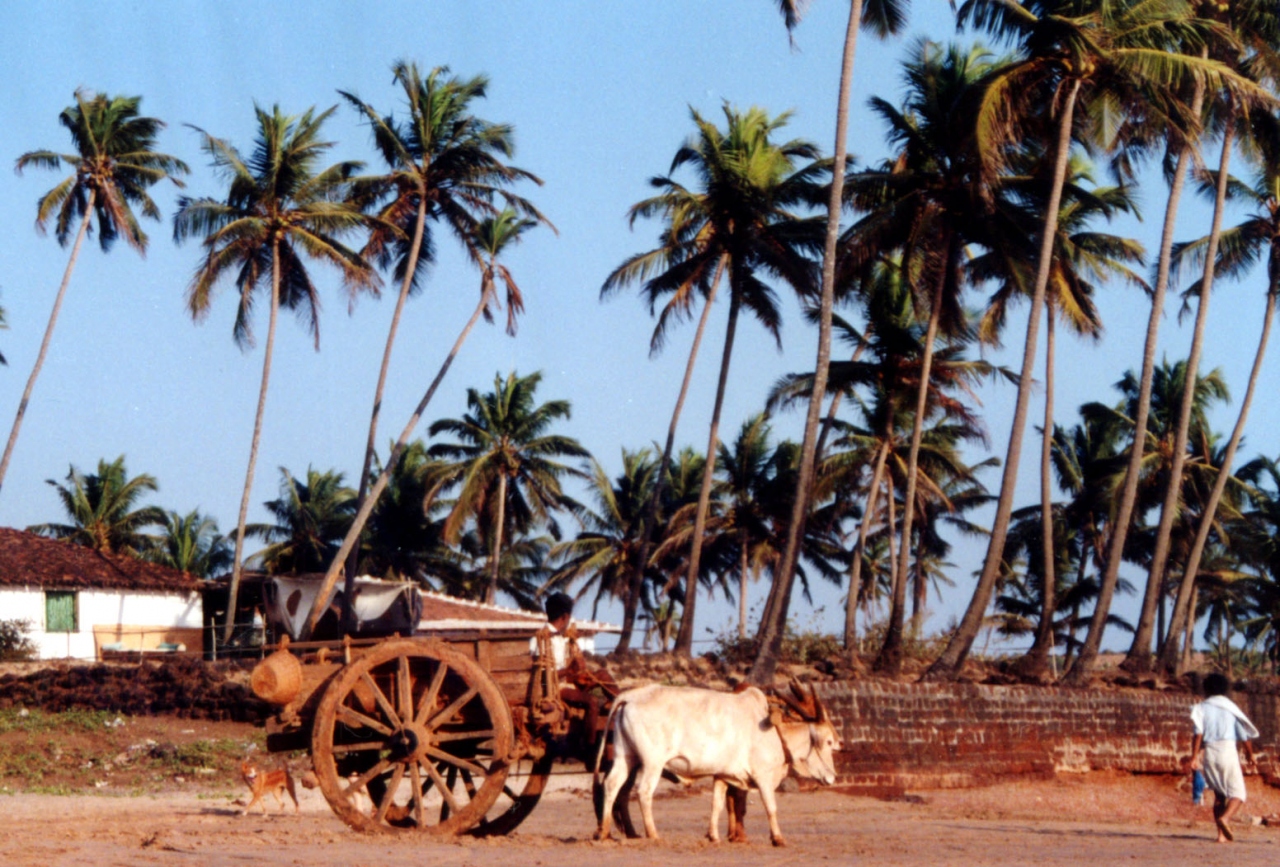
98,608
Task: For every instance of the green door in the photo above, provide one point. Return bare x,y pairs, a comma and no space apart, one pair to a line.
60,611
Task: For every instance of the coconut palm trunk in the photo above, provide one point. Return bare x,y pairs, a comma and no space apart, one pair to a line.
919,599
48,336
495,557
1139,656
859,551
371,444
1185,605
948,665
632,603
891,504
890,658
773,625
684,638
828,421
744,580
1189,638
1036,662
380,484
237,562
1088,651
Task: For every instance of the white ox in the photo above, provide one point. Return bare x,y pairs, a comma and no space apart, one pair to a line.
700,733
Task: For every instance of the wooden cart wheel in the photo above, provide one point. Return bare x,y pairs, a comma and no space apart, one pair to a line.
412,736
525,785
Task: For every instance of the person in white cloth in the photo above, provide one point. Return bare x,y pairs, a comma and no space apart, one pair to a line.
1219,726
559,608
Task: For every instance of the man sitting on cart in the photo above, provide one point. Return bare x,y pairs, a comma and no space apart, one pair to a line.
559,608
583,690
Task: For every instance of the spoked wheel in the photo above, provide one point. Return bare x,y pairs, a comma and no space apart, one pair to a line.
413,736
524,787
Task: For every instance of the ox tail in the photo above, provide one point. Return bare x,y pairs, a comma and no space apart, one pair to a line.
597,783
604,740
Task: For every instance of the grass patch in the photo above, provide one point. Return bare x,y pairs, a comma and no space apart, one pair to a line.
221,754
59,789
38,721
29,765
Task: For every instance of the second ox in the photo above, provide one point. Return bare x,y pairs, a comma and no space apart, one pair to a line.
731,737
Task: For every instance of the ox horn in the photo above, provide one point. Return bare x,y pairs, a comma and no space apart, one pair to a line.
803,702
823,715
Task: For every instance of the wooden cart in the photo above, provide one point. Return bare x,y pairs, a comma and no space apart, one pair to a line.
444,734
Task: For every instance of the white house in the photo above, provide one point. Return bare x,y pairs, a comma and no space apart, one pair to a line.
79,601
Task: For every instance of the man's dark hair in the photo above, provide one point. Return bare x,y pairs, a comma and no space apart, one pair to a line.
1216,684
558,605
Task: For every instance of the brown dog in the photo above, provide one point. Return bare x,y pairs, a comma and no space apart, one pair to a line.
263,780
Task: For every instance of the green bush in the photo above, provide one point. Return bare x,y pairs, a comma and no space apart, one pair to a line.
800,646
919,648
15,641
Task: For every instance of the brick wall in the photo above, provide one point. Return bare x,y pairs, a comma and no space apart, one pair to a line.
923,735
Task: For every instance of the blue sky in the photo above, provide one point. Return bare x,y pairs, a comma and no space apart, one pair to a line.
599,95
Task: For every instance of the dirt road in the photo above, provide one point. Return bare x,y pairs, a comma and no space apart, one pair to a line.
1111,821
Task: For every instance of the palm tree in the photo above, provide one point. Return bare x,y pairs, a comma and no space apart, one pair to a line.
493,235
1167,387
1258,539
444,166
1115,58
104,512
505,466
191,543
1219,564
747,519
890,375
603,553
746,470
1019,603
114,164
1081,256
1238,94
311,517
1027,579
680,268
280,206
1139,656
884,18
669,555
1088,462
739,222
926,202
402,542
1241,248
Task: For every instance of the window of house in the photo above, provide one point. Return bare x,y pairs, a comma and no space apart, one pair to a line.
60,611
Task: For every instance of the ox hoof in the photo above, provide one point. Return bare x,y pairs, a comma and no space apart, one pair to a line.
737,838
603,837
713,838
779,842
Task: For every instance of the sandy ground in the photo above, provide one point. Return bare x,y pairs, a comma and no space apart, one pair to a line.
1097,819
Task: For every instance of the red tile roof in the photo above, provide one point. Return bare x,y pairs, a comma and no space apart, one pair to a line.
35,561
448,612
437,606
